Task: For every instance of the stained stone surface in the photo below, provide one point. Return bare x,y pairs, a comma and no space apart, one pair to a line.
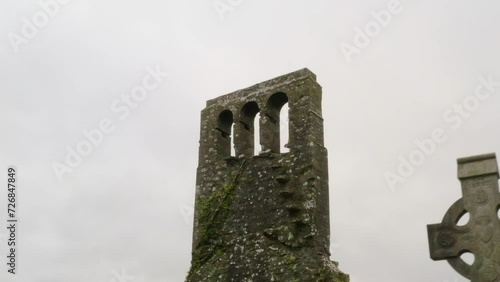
481,235
264,217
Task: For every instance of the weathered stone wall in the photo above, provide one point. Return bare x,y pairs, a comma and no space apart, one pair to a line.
265,217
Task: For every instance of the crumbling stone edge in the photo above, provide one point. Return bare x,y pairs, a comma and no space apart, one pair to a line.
214,219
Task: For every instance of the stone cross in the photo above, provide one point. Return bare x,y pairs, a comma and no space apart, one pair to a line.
481,235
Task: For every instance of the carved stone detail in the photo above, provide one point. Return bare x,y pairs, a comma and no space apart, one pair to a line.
481,235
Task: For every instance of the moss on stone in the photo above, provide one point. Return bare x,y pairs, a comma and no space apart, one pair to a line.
342,278
214,211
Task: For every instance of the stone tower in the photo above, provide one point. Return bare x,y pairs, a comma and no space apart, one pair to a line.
263,217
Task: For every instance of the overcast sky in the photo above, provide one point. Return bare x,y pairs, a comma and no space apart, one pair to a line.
124,208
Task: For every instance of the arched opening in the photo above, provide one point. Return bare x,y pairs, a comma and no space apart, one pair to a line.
270,133
223,136
245,130
233,152
256,125
284,135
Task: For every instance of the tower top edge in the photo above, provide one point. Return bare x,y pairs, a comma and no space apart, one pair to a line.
264,86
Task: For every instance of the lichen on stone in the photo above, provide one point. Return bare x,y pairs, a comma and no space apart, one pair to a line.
213,214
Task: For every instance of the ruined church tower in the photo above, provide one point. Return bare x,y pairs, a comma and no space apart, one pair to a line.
263,217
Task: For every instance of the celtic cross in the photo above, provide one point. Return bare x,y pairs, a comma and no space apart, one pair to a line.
481,235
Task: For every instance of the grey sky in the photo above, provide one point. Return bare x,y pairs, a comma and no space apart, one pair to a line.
126,206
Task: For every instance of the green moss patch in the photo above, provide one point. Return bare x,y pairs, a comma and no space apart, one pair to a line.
213,213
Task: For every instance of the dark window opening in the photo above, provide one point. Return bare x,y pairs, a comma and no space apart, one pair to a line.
224,127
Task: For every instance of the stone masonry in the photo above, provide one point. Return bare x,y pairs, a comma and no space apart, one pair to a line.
263,217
